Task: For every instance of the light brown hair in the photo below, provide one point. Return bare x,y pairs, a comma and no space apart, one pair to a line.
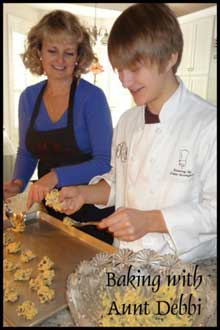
58,24
146,32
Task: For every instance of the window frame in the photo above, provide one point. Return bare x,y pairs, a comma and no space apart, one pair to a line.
20,25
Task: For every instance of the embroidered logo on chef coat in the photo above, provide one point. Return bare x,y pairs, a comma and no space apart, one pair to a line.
122,151
183,155
182,164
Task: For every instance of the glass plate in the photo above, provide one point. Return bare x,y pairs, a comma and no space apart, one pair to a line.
138,289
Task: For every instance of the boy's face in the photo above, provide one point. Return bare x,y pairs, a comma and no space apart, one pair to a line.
145,83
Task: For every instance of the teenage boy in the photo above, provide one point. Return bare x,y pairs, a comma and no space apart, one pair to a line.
163,177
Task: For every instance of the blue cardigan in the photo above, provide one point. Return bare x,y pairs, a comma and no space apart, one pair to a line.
92,127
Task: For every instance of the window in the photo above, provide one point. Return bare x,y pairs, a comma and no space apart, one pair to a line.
119,99
17,76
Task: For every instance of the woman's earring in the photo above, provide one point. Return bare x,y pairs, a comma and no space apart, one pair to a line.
76,63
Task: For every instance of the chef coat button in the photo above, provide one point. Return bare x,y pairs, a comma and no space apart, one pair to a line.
158,130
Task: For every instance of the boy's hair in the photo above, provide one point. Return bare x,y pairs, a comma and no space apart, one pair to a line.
57,26
146,32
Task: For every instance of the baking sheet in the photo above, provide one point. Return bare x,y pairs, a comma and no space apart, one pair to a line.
66,247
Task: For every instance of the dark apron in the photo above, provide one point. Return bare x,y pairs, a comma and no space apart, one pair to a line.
56,148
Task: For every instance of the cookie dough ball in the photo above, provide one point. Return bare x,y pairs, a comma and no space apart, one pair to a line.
23,274
52,200
27,310
13,247
10,294
45,264
27,255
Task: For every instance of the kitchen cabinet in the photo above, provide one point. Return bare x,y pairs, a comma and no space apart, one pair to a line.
186,64
197,84
198,34
212,81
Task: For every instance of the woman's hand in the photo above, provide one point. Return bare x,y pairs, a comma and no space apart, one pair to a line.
131,224
71,199
40,188
11,188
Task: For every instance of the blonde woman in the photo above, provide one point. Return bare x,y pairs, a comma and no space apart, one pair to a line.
65,125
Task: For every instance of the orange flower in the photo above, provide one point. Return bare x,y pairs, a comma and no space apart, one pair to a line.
96,68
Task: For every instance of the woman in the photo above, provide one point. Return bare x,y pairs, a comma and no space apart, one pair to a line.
64,122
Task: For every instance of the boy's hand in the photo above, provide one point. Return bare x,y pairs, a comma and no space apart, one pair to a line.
131,224
71,199
126,224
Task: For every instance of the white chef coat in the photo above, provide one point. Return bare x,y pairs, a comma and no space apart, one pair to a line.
169,166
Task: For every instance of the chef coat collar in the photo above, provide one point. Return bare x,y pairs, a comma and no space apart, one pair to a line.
172,105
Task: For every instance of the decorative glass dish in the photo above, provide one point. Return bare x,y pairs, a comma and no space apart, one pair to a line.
138,289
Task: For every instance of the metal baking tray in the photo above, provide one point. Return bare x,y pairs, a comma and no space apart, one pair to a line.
67,247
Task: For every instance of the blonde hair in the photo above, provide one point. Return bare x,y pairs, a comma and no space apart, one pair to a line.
56,24
145,32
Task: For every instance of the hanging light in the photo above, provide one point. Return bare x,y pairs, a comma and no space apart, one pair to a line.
104,39
100,34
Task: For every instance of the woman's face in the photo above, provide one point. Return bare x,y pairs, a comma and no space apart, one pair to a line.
59,57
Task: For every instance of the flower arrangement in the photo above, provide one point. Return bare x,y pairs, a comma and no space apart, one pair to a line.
96,68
